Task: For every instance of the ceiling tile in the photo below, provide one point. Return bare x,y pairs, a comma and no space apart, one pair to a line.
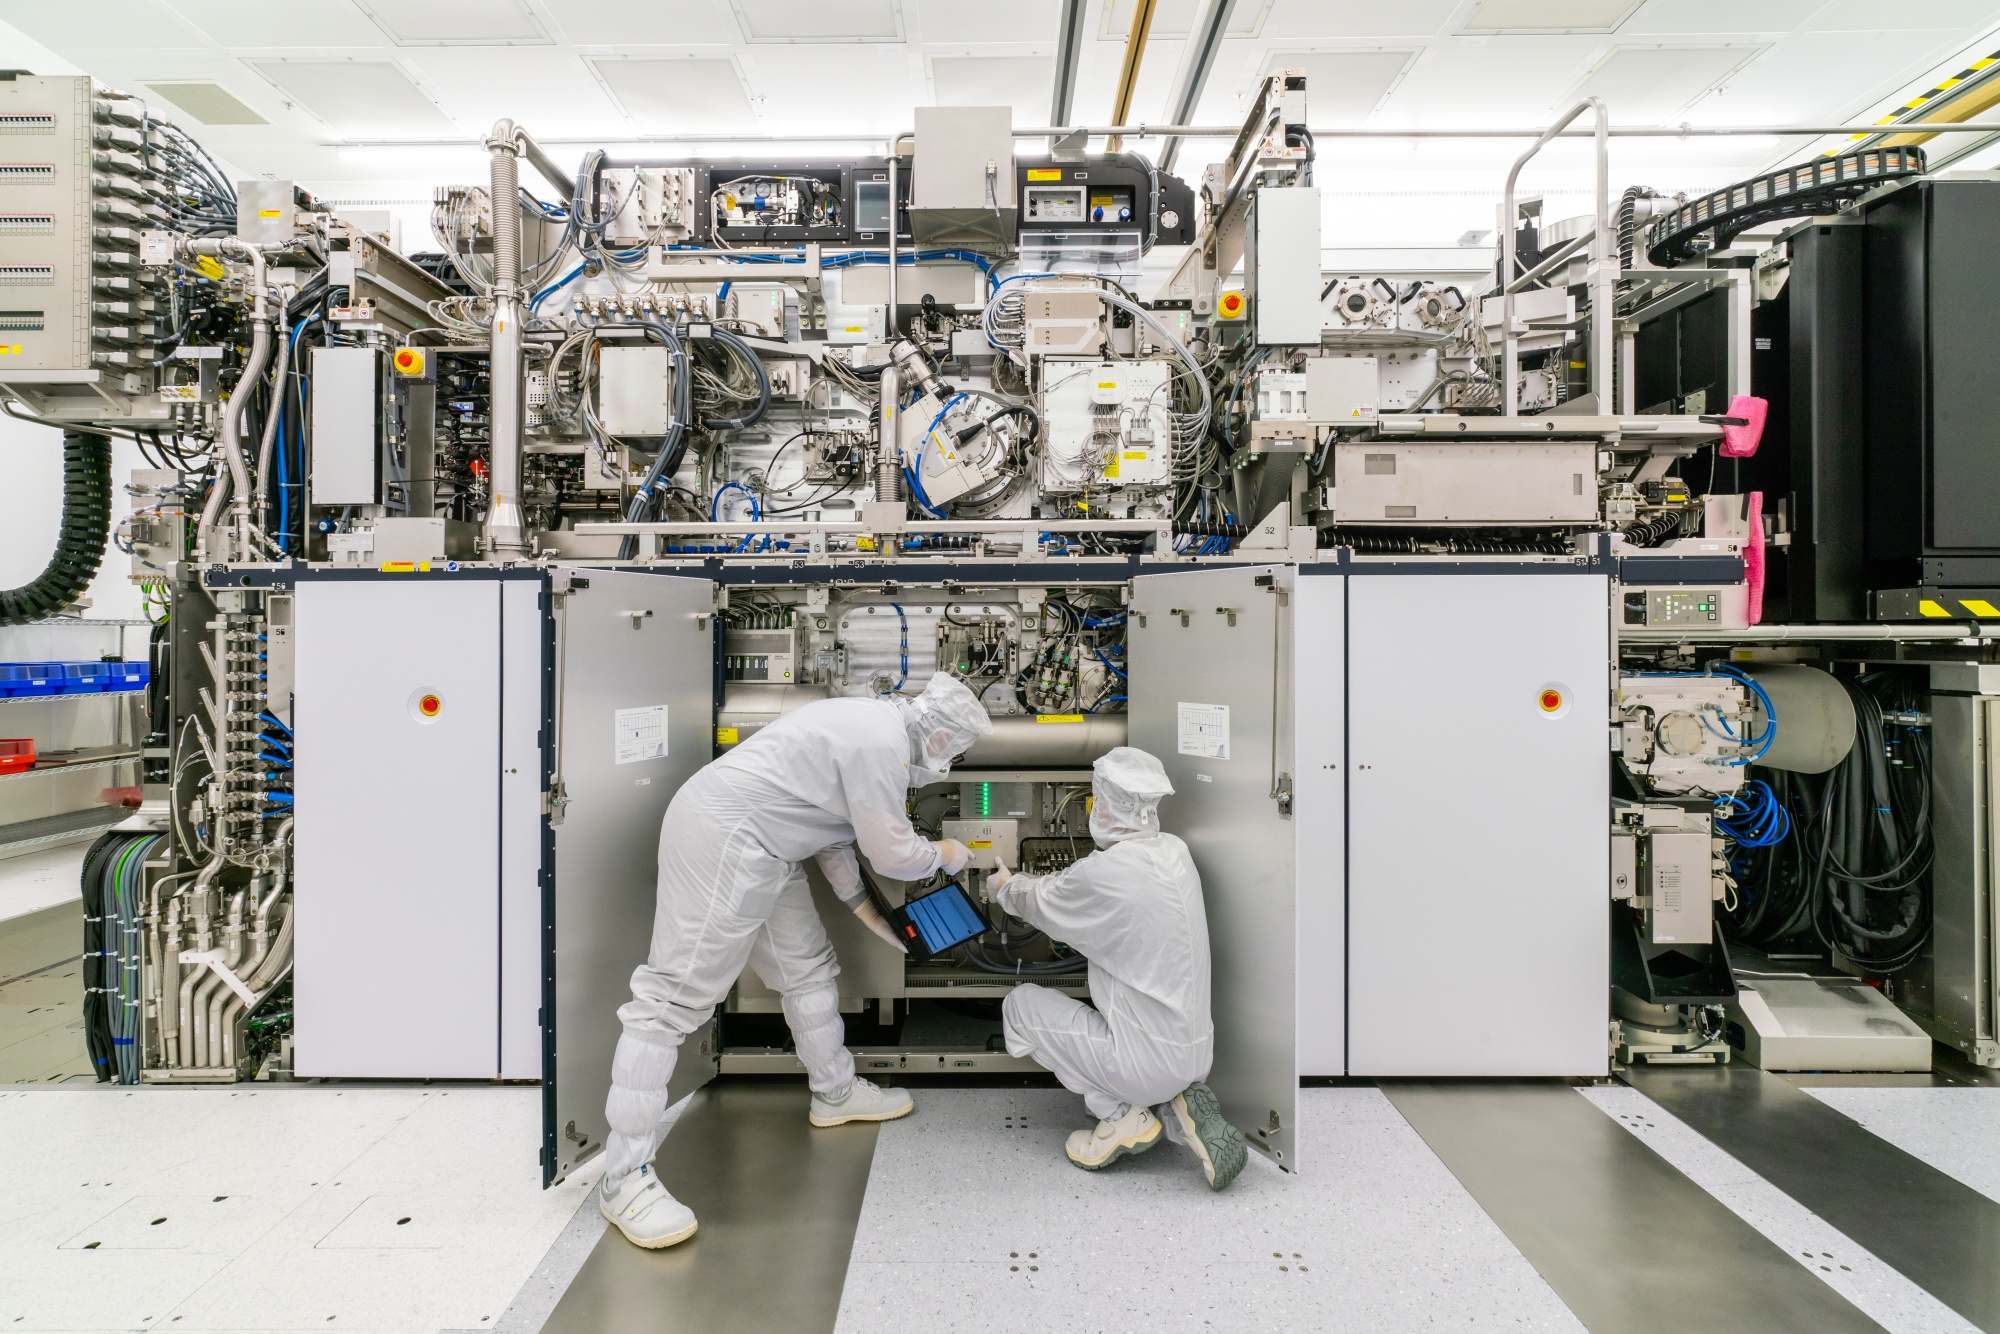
551,92
456,22
100,24
206,103
692,94
1355,20
1483,84
1342,87
361,99
1718,18
1549,15
1823,77
984,21
1648,85
661,22
836,89
820,20
1026,83
1869,15
260,25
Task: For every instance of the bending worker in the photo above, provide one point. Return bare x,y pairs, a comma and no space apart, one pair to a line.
1134,909
815,783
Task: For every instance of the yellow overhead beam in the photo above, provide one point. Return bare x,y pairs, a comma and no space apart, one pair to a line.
1128,72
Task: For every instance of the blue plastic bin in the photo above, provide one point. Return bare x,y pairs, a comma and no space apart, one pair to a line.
129,675
20,679
86,678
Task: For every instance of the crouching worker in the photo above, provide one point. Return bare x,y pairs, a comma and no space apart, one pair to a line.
732,890
1134,909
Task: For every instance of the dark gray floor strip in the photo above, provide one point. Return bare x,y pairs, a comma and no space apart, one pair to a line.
778,1203
1940,1233
1629,1244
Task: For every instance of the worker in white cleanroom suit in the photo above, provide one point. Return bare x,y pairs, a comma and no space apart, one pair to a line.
1134,909
815,783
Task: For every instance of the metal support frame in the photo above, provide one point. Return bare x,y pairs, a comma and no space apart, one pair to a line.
1195,69
1602,276
1128,70
1069,53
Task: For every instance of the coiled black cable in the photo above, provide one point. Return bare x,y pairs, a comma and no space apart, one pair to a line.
86,526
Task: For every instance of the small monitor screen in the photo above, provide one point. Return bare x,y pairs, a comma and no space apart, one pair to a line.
944,918
871,206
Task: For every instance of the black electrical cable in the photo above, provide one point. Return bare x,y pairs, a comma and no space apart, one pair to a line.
749,357
86,526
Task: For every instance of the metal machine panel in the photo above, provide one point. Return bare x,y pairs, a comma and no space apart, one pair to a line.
1478,852
523,675
628,648
396,701
1211,694
346,426
1283,261
1963,989
1387,482
1319,823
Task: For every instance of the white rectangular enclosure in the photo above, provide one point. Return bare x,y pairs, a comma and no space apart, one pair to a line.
1478,849
417,952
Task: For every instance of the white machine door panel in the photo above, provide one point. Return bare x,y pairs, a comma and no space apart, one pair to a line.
1319,818
1211,697
634,719
1478,845
396,842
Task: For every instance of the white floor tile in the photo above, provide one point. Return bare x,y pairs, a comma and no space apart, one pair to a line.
1880,1292
975,1220
278,1209
1955,1130
41,879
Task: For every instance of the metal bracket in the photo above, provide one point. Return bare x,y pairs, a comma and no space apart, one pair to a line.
555,801
1230,612
1281,792
638,617
1176,611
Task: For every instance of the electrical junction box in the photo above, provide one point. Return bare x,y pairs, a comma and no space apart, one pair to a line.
1062,321
1282,259
761,655
266,211
1343,390
962,177
1109,424
767,312
990,842
632,390
1674,876
346,426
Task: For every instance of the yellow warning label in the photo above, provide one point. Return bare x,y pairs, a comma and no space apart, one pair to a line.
1979,606
1935,609
270,213
725,736
1110,469
1058,717
1135,454
980,843
398,566
10,349
1045,173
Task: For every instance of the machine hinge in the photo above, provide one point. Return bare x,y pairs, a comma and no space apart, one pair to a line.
1230,612
638,617
1140,617
1180,612
555,801
1281,792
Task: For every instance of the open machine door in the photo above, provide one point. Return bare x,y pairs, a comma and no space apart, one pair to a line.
1211,695
631,714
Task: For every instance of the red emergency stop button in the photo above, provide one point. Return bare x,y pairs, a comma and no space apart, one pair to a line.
430,706
1230,305
409,361
1551,699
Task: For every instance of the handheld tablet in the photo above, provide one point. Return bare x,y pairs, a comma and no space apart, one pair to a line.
937,921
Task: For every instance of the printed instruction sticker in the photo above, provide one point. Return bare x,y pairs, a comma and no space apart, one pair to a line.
1205,730
639,734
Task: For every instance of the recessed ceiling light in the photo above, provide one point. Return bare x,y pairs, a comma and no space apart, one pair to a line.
1549,15
208,103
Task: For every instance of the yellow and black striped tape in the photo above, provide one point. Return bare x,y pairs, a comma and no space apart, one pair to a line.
1923,99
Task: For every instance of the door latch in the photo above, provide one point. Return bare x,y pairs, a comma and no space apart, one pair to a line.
1281,792
555,801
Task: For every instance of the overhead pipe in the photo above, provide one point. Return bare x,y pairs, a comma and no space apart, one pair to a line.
1128,70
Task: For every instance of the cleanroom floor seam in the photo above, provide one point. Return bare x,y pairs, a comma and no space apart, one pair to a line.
1938,1231
1625,1239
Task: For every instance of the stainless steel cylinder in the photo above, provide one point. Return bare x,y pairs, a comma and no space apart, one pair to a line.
1028,741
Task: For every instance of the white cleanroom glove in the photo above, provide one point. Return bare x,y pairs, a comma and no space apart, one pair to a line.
997,880
876,922
953,854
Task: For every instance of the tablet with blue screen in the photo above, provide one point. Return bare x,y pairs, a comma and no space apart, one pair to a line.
937,922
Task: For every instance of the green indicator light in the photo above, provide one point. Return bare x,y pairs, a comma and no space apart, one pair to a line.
985,800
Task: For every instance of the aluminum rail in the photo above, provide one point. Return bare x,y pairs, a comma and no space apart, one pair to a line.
1778,634
1145,131
1602,278
779,527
